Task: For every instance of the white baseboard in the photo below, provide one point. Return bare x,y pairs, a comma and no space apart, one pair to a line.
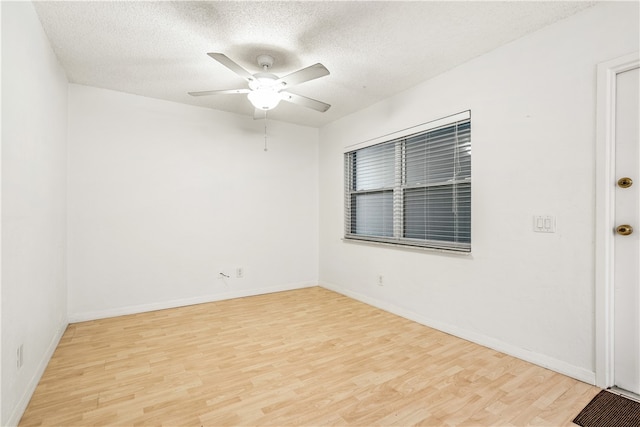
135,309
23,402
551,363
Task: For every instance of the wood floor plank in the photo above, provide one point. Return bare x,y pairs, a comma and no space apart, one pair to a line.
304,357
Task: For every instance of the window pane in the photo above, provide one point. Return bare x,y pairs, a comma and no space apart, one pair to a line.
413,190
373,214
438,213
464,150
438,156
373,167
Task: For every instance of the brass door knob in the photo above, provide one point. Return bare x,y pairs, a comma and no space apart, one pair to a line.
624,230
625,182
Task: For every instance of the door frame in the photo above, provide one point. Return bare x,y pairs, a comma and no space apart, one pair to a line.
604,213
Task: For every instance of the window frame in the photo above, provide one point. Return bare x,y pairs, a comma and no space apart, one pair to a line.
401,188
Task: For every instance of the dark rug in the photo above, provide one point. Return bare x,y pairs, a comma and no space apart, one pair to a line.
609,410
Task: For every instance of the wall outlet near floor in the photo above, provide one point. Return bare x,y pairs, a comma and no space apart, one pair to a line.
239,272
20,356
380,280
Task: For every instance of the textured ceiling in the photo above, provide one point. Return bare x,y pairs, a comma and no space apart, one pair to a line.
372,49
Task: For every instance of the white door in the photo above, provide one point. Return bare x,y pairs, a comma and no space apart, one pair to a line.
627,234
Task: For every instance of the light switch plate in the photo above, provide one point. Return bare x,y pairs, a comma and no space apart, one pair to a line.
544,223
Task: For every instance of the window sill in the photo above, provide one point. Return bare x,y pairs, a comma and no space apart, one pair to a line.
410,248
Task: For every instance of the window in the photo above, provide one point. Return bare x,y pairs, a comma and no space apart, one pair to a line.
414,189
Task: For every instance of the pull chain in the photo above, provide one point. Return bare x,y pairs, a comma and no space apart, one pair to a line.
265,130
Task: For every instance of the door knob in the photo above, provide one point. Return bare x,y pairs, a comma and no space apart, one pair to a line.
625,182
624,230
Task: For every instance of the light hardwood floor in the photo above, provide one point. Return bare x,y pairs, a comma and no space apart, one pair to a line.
304,357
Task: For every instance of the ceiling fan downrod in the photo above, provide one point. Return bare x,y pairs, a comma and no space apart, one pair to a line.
265,61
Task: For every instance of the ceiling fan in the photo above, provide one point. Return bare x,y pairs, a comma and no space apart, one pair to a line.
266,90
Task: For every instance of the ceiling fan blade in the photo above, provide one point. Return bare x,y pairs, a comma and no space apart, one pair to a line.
304,75
218,92
224,60
304,101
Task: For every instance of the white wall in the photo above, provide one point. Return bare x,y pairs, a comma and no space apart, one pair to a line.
34,134
163,197
533,137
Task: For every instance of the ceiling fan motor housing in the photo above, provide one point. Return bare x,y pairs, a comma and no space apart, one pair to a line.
263,80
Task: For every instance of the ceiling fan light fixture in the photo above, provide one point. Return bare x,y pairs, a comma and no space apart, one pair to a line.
264,98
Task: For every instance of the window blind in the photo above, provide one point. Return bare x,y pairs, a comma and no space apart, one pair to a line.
412,190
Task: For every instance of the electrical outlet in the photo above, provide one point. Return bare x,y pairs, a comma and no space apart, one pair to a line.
380,280
239,272
20,356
